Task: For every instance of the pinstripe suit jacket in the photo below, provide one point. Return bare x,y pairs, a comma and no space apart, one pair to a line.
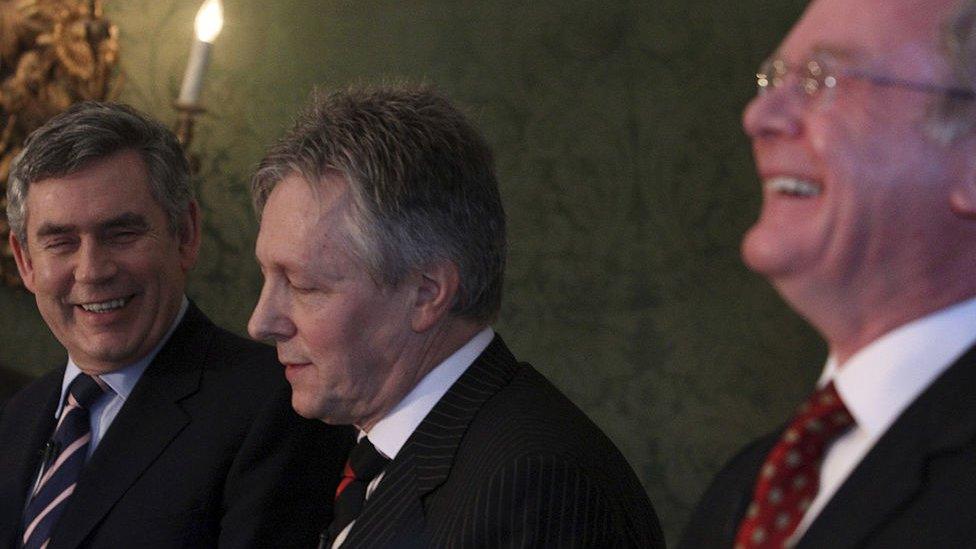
505,460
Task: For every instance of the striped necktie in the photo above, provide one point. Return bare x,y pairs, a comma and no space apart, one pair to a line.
65,457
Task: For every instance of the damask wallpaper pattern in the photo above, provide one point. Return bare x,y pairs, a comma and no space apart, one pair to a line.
626,177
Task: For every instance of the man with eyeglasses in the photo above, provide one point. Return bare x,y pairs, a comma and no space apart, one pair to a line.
864,137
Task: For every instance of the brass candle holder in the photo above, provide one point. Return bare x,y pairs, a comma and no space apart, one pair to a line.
185,120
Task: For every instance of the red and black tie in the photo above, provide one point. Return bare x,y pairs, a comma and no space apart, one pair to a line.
790,477
364,464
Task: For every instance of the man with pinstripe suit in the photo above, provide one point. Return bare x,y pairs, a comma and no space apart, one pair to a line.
382,245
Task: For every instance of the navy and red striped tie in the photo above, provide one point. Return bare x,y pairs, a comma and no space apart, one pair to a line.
65,457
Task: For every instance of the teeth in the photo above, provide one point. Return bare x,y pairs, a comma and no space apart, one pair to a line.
104,306
793,186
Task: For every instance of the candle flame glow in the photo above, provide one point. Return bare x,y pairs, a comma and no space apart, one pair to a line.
209,21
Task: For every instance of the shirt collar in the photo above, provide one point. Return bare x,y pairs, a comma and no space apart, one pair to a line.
391,433
122,381
882,379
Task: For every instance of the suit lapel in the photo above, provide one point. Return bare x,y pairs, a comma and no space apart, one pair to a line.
394,515
149,420
941,419
24,455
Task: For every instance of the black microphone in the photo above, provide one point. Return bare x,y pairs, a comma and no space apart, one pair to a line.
51,450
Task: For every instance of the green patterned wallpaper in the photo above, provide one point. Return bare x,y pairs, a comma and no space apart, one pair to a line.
626,176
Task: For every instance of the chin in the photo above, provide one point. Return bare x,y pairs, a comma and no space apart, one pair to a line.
775,253
761,253
313,407
302,408
109,359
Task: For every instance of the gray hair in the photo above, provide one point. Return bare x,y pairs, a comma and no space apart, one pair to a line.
422,183
954,116
91,131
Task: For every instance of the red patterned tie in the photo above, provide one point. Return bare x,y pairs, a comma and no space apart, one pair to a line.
790,477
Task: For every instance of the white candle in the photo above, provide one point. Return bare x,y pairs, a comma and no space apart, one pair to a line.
209,21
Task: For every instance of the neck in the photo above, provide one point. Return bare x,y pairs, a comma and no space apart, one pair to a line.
857,315
430,349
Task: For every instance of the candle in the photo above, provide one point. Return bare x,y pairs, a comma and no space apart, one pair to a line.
208,23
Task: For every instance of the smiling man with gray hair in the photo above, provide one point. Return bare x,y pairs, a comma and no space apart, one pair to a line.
161,429
864,138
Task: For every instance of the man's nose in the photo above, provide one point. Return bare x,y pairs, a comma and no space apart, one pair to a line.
95,263
270,321
775,112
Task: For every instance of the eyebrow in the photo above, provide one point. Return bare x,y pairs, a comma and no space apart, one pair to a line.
124,220
836,52
127,220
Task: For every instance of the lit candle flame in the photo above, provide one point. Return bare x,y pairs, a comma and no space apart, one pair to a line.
209,21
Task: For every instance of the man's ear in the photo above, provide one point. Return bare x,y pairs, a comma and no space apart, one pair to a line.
436,289
24,264
189,235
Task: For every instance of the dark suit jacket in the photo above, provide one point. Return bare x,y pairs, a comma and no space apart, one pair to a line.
11,381
915,488
206,451
505,460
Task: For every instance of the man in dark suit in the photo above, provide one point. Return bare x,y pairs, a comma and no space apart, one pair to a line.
863,136
162,430
382,245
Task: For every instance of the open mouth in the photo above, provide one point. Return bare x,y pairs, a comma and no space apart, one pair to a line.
792,186
105,306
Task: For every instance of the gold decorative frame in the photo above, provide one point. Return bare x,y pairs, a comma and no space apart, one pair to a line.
52,53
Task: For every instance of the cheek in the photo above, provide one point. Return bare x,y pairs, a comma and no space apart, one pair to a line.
328,333
851,157
836,141
51,277
882,139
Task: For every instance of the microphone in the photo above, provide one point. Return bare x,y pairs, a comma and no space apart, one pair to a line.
51,450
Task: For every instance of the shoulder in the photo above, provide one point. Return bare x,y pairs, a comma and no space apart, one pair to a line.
196,329
11,381
530,449
274,468
716,518
25,411
241,363
231,350
217,376
36,394
529,415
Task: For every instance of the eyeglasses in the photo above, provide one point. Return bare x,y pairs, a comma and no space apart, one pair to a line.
822,73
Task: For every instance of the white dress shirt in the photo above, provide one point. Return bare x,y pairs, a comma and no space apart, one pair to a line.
391,433
880,381
120,382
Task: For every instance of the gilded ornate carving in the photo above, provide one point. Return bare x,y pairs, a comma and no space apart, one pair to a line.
52,53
